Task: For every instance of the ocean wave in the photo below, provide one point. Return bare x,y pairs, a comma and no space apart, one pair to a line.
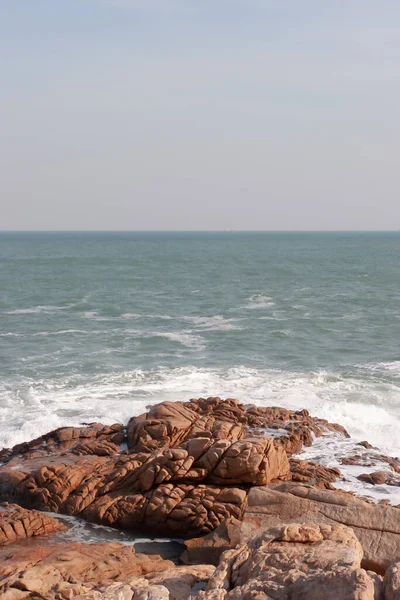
61,332
35,310
11,334
217,323
145,316
259,302
186,339
367,407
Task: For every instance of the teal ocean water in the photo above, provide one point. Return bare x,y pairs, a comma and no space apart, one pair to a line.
95,326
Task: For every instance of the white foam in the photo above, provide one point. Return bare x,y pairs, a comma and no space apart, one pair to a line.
35,310
186,339
329,449
60,332
11,334
369,409
259,302
217,323
129,315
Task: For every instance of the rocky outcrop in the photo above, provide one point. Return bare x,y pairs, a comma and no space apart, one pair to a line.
136,491
174,584
391,582
380,478
209,548
303,471
272,523
376,527
295,561
67,570
170,423
187,466
95,438
17,523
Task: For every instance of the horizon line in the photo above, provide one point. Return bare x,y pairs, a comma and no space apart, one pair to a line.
199,230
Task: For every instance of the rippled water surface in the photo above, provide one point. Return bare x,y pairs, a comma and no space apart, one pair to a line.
95,326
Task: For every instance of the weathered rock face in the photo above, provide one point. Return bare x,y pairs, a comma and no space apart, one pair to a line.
295,561
376,527
204,467
170,423
64,571
102,440
17,523
380,478
209,548
187,468
392,582
303,471
174,584
137,490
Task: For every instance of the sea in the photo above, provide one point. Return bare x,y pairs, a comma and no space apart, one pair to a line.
96,326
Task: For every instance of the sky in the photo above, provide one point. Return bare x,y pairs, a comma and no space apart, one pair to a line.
207,114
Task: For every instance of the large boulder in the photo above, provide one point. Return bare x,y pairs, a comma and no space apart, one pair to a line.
189,467
209,548
181,468
391,582
298,561
377,527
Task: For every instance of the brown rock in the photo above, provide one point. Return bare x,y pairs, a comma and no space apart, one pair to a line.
189,467
208,549
380,478
92,439
52,568
182,581
296,561
391,582
16,523
377,527
303,471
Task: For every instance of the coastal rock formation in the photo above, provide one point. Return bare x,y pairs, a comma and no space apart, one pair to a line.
170,423
303,471
16,523
377,527
391,582
272,523
95,438
209,548
300,561
380,478
173,584
182,467
67,570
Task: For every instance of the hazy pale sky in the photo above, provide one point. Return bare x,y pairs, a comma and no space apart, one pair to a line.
206,114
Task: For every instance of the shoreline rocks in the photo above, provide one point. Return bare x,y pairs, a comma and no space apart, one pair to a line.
209,467
16,523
